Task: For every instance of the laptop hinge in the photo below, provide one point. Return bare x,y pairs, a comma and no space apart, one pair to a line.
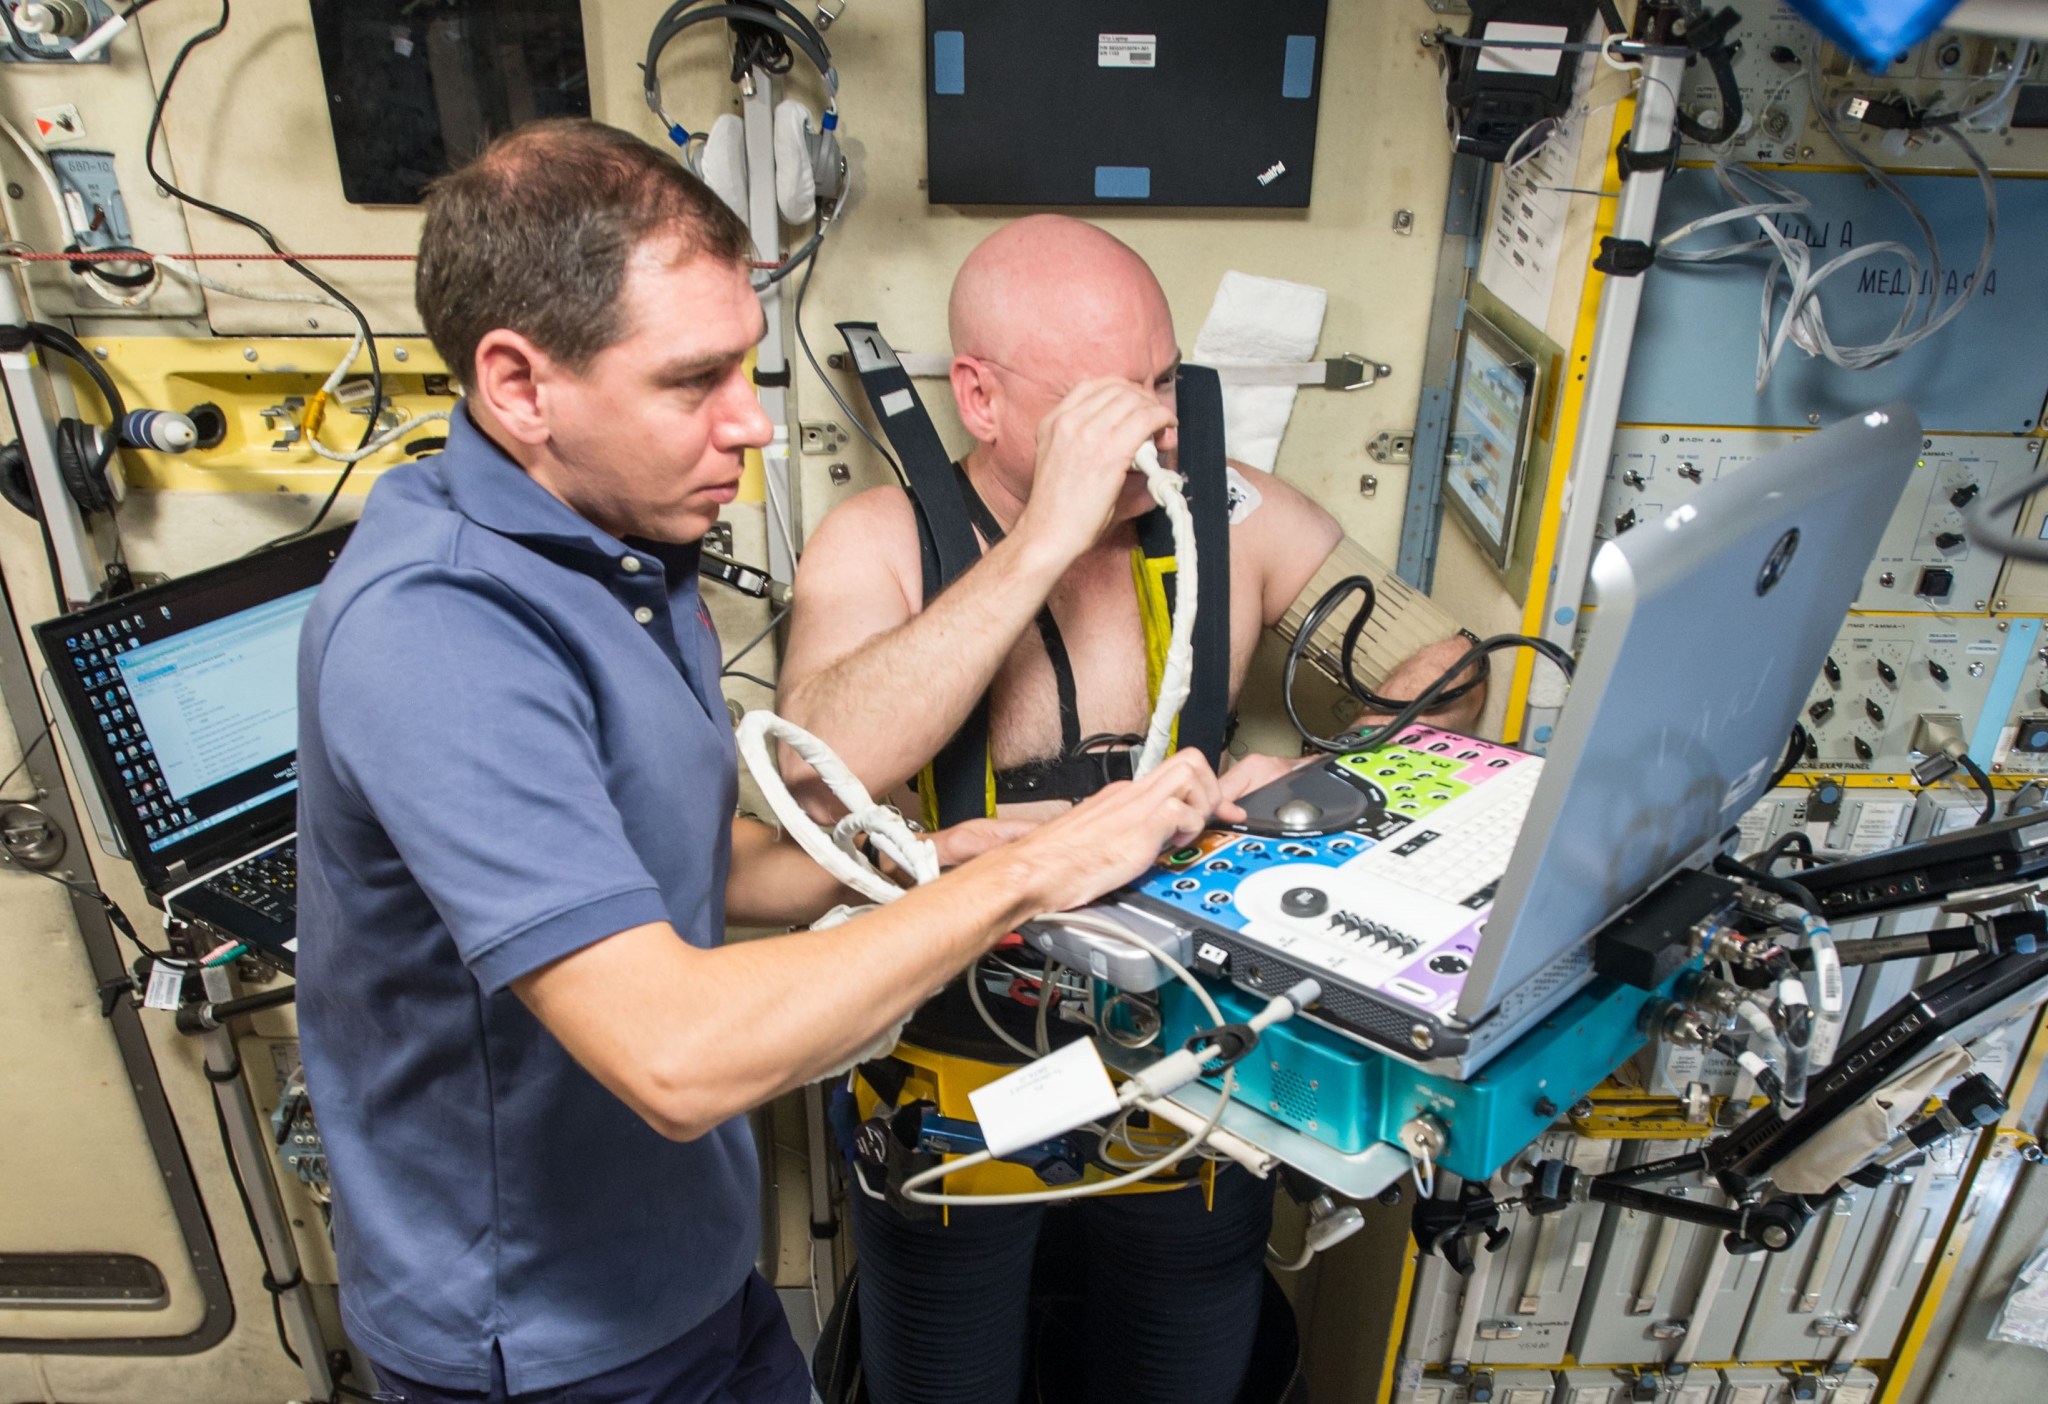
175,872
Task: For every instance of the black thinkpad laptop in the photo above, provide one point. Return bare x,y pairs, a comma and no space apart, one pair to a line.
181,702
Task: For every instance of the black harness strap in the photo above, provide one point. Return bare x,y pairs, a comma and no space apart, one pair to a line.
1205,718
946,541
1048,632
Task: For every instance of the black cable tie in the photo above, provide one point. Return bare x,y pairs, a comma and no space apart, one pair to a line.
1624,258
14,338
278,1289
1232,1042
1632,161
224,1075
773,379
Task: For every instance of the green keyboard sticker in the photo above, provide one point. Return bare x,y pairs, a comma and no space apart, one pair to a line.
1415,783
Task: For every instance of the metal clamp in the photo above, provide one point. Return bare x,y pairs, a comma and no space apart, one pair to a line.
1349,372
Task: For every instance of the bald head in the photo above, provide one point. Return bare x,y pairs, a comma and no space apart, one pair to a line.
1059,298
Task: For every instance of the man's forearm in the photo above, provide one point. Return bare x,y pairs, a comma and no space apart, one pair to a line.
947,655
775,883
716,1032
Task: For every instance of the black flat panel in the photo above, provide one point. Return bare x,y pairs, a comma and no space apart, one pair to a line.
1027,102
417,87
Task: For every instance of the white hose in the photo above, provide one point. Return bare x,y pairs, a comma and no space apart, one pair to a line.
835,854
1177,676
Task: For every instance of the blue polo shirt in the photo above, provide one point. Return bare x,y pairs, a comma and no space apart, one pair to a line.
511,745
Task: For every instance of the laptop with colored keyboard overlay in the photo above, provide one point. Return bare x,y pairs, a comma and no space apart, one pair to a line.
181,702
1443,890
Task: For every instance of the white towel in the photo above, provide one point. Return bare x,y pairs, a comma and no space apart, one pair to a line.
1259,321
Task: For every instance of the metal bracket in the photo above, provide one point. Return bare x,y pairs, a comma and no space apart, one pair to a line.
1499,1330
1390,447
821,436
30,837
1835,1327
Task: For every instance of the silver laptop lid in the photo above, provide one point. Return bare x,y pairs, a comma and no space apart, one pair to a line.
1712,624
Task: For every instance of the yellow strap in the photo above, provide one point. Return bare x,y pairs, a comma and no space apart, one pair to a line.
1148,574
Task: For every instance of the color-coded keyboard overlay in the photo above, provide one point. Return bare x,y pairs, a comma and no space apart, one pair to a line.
1333,898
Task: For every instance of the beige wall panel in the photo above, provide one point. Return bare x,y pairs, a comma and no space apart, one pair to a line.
101,1154
114,99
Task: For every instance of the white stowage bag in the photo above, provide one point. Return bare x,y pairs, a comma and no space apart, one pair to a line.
2023,1320
1853,1137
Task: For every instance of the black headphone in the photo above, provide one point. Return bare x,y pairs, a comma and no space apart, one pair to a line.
781,18
84,451
765,31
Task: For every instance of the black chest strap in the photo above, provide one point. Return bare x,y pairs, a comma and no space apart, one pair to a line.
1048,633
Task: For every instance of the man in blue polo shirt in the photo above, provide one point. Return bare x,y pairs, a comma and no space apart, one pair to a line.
518,847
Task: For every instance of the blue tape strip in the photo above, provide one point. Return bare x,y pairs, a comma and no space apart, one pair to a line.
949,62
1298,78
2005,688
1123,182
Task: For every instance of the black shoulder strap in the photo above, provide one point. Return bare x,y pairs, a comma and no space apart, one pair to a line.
1199,404
946,536
1048,632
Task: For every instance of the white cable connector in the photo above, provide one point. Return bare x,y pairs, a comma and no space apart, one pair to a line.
91,44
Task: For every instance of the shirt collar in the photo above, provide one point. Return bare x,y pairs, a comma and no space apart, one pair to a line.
491,490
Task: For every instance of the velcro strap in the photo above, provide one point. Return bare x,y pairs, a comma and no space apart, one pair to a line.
1068,778
1624,258
1631,161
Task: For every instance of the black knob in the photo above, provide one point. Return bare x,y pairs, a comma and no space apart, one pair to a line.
1873,711
1304,901
1936,671
1947,540
1863,751
1887,672
1963,496
1821,710
1832,671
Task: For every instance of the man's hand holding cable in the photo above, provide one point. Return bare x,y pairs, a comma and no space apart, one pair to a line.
1085,448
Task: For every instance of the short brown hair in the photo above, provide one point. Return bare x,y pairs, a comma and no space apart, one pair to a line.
534,235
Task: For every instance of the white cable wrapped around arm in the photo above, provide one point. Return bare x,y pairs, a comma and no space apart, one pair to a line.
1177,675
895,837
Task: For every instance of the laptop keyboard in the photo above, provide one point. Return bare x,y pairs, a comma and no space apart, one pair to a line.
1468,861
267,884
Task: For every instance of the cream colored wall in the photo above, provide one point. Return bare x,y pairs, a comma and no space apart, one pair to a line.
246,127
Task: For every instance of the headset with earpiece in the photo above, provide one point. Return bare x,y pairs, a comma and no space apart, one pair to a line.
809,167
85,452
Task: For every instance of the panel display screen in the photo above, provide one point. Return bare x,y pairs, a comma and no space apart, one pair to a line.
417,87
1496,391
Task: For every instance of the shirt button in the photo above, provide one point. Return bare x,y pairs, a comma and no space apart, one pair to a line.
643,615
630,564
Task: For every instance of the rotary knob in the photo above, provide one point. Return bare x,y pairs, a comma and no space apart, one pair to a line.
1304,901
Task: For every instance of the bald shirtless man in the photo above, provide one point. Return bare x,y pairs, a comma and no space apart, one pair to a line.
1064,364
